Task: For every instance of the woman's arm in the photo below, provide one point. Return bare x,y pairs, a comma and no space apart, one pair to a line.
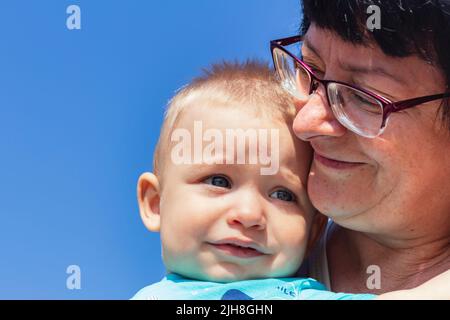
437,288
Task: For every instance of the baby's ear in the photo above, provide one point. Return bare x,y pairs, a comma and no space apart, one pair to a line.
148,193
317,228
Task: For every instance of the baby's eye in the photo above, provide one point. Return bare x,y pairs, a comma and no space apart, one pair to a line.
284,195
218,181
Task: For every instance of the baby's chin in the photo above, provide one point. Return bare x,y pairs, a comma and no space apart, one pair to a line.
226,274
227,277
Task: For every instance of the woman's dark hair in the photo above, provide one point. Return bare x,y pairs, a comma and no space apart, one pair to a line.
408,27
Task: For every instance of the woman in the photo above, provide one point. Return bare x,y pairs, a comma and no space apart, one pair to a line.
381,169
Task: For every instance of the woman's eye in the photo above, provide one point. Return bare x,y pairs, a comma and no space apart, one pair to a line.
314,69
218,181
361,99
284,195
367,105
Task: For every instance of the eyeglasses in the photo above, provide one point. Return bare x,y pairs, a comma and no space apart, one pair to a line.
361,111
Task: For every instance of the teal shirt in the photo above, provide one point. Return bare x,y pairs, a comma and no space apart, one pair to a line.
175,287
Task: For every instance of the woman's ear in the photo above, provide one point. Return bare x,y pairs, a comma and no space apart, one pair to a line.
317,228
148,193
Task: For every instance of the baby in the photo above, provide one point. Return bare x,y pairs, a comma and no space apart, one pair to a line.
228,192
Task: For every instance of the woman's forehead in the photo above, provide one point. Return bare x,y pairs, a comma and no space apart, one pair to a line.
358,60
329,47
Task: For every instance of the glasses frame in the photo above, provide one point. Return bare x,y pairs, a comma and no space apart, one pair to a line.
388,106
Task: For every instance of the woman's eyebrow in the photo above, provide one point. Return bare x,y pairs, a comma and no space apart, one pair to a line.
311,47
371,70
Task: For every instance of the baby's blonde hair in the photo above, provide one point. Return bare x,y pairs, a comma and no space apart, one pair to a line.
251,84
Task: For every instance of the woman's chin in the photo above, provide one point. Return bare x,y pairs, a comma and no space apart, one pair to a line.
337,200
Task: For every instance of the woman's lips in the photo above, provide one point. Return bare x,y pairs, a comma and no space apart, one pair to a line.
238,251
335,164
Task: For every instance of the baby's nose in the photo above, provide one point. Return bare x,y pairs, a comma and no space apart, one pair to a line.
249,213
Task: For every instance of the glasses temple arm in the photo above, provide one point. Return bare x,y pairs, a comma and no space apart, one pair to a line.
287,41
416,101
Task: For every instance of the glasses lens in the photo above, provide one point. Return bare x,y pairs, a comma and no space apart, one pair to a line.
356,110
294,78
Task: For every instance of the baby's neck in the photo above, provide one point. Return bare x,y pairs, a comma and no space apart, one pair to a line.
355,261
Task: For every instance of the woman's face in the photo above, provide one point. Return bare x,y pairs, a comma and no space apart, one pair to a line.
397,183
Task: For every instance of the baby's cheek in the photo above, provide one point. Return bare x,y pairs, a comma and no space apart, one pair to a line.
178,240
295,237
292,245
177,252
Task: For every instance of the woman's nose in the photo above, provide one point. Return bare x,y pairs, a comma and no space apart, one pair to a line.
248,213
315,118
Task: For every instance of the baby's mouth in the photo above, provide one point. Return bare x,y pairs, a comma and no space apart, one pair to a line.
238,248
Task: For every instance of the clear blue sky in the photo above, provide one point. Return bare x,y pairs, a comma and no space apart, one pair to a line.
80,112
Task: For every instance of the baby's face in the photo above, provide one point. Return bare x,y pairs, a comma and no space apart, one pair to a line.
228,222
